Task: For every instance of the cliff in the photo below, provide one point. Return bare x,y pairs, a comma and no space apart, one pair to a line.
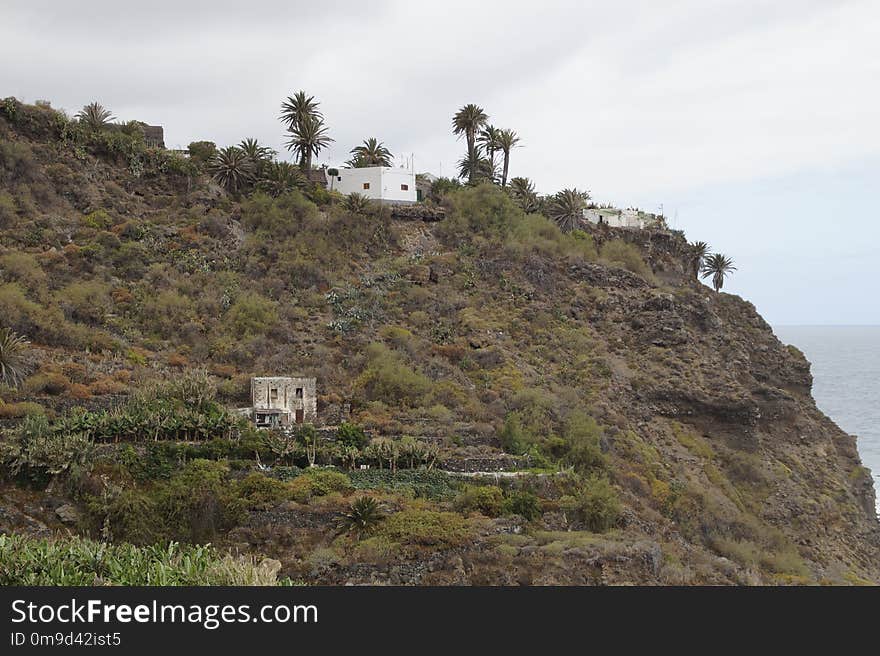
650,430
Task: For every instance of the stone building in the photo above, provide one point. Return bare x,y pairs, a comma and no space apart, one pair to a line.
283,401
154,136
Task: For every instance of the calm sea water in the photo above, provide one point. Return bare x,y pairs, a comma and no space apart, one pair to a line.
846,380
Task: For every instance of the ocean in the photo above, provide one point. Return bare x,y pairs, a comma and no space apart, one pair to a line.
846,380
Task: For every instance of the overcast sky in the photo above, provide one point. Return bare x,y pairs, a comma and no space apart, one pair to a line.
753,124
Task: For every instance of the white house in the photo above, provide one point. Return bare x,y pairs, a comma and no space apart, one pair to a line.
616,218
386,184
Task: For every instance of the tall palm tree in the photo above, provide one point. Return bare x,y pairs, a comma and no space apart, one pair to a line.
523,191
718,266
232,169
699,251
297,107
308,138
467,121
567,208
94,116
507,140
475,167
280,177
488,140
371,153
15,363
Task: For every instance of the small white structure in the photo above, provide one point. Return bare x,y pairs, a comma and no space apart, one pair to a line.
282,400
616,218
386,184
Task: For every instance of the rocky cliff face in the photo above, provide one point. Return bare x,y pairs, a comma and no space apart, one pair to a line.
592,357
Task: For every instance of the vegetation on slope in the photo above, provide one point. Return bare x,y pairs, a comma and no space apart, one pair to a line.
651,427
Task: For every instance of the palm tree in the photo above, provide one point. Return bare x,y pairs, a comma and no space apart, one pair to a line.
255,150
362,517
718,266
488,140
475,167
699,251
371,153
523,191
308,138
507,140
15,363
297,107
94,116
280,177
567,208
232,169
467,121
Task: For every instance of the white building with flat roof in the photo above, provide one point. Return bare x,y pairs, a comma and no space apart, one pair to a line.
386,184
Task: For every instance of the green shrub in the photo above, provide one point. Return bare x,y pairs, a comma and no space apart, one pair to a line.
36,453
261,492
623,254
595,504
512,436
198,503
523,503
419,483
484,209
486,499
252,314
351,435
281,217
582,437
388,378
316,482
427,528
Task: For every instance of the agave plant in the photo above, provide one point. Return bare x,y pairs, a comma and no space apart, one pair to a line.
567,208
232,169
719,267
94,116
362,517
358,203
371,153
15,361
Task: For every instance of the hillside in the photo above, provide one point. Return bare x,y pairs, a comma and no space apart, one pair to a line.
659,431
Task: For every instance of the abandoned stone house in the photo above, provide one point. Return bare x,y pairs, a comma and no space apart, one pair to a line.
154,136
279,401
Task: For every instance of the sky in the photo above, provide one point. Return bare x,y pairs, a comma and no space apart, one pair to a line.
754,125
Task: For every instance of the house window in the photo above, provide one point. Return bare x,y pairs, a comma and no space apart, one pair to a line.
299,392
273,394
404,187
366,185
